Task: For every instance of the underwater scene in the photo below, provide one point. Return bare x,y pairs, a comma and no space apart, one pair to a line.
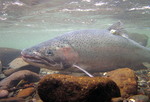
74,50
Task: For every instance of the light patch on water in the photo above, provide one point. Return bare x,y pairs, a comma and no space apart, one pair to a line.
100,3
75,10
140,8
87,0
74,2
18,3
3,18
24,23
10,3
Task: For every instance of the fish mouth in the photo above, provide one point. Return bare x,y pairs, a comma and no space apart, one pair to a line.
40,61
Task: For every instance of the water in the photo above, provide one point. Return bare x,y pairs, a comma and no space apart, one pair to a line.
24,23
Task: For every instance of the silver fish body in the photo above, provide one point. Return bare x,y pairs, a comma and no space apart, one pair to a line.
92,50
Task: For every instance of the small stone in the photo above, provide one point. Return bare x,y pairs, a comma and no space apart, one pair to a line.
138,98
119,99
142,83
3,93
126,79
2,76
45,71
147,92
26,92
0,67
11,94
36,98
67,88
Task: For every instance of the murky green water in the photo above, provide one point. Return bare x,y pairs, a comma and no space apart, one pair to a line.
24,23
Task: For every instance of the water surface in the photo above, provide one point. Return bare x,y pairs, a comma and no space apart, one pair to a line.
24,23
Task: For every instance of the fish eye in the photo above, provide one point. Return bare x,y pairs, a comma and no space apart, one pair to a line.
49,52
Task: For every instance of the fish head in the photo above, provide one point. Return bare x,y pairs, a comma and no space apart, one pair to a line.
53,54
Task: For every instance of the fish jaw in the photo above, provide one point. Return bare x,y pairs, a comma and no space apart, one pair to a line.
36,59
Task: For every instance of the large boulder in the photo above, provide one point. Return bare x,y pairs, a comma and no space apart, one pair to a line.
66,88
126,79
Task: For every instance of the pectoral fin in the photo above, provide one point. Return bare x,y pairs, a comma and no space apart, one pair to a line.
83,70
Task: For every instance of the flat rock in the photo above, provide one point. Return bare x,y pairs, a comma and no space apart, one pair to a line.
16,77
19,64
118,99
126,79
66,88
13,99
24,93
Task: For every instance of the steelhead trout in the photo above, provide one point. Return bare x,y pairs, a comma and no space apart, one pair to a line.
91,50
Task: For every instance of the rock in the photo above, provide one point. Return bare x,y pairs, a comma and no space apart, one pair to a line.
3,93
66,88
24,93
36,98
13,99
16,77
126,80
45,71
147,92
8,54
119,99
11,94
1,67
143,81
2,76
19,64
138,98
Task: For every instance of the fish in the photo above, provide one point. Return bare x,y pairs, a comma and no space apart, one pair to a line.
93,50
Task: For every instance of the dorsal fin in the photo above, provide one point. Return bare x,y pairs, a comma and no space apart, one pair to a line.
116,26
117,29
